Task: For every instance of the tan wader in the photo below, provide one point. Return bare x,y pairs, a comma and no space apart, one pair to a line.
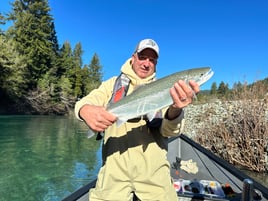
135,165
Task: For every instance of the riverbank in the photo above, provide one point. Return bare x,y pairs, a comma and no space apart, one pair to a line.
235,130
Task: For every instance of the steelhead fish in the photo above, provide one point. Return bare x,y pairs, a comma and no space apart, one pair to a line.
152,97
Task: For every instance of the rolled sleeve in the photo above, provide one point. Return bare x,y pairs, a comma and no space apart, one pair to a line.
98,97
173,127
79,104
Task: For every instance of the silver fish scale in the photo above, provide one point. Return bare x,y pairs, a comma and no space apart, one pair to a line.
197,74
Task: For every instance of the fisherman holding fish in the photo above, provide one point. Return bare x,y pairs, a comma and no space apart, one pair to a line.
134,153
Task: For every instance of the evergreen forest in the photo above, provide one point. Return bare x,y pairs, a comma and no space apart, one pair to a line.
37,75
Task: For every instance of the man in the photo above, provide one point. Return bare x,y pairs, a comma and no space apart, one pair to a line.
134,154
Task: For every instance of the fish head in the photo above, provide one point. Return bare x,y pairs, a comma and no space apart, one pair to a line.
199,75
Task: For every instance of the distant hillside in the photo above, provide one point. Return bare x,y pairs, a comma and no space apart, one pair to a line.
263,82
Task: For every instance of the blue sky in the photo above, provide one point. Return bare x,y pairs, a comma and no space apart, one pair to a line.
230,36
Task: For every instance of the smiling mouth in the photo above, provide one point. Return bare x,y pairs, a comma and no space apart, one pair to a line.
145,69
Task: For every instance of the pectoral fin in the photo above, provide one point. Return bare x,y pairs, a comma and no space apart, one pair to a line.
154,115
90,133
120,121
151,115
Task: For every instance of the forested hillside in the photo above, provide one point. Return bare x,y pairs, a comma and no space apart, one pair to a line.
37,75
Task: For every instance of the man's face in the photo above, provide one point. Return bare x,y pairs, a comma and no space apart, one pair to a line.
144,63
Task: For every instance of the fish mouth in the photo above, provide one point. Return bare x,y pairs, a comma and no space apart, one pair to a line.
204,77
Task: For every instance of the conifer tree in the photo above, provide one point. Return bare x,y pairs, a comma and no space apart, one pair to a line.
95,73
35,36
85,77
223,89
91,75
213,90
65,60
76,71
12,69
2,21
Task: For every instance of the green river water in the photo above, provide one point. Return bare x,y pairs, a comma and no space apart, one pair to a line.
46,158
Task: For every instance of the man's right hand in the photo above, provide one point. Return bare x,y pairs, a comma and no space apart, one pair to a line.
97,117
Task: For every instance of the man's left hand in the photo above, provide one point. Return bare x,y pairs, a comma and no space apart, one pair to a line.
182,95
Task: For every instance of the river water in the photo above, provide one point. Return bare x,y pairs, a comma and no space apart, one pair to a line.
46,158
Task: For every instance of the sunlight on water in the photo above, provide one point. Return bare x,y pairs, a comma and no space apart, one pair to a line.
45,158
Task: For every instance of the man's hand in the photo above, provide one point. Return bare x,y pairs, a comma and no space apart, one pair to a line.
182,95
96,117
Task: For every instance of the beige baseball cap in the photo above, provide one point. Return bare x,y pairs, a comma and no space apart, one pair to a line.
147,43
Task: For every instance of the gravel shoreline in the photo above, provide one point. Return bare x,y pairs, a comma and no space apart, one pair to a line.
199,116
